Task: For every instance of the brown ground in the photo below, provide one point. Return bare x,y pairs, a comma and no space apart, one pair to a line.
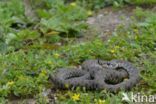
105,22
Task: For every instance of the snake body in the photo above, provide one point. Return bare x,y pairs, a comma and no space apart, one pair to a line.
98,75
132,76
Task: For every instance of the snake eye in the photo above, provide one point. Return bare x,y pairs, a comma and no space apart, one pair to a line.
111,65
108,64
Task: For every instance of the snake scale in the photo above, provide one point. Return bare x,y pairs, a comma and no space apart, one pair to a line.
112,76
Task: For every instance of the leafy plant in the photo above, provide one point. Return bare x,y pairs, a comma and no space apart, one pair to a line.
143,2
65,18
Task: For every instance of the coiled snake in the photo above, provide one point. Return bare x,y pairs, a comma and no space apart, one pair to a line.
112,76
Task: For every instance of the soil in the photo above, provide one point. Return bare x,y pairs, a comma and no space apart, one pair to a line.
105,22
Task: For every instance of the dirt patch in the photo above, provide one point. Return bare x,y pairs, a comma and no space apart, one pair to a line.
48,96
106,20
23,101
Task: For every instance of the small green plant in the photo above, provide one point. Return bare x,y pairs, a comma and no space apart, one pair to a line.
143,2
57,20
97,4
3,100
66,18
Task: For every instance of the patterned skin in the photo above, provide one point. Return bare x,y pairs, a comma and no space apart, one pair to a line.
98,75
123,66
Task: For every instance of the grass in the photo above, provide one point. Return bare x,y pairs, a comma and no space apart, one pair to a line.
136,44
143,2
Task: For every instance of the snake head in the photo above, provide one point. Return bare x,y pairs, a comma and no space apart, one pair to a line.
108,64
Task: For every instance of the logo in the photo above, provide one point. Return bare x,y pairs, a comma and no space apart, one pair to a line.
125,97
138,97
